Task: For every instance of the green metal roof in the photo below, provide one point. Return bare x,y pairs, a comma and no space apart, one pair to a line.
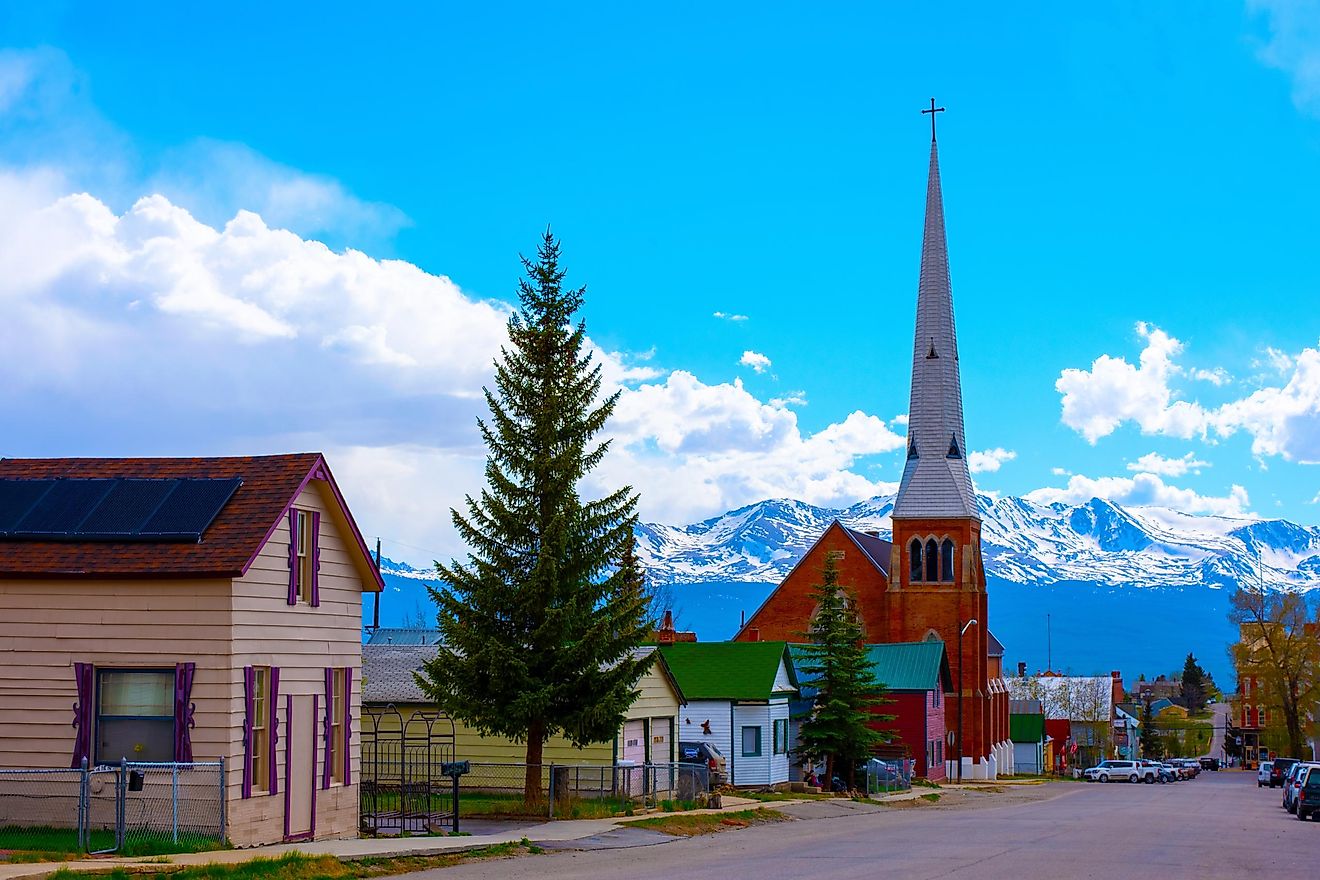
726,670
1026,728
902,666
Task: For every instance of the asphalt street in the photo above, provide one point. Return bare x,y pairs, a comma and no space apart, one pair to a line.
1218,825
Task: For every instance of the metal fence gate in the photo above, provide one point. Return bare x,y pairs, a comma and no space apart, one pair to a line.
403,787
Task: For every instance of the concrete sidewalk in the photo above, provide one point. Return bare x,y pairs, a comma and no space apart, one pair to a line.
366,847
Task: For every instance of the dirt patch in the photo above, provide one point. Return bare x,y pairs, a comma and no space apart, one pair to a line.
709,823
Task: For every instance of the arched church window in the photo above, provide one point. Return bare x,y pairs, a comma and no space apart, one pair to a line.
914,560
932,560
946,561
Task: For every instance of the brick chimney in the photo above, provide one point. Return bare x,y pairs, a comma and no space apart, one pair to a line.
665,635
1022,669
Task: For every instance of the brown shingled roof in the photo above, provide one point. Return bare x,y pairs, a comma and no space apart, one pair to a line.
232,540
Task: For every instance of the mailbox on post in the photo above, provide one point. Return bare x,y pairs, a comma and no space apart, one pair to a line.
455,769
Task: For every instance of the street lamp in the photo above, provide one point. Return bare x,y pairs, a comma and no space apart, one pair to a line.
966,626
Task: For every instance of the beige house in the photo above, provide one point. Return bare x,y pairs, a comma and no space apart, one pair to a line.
647,734
188,609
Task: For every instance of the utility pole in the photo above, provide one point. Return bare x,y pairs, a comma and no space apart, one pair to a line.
375,614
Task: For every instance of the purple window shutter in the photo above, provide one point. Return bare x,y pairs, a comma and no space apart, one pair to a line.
293,556
84,712
348,723
183,711
272,702
315,550
327,767
249,693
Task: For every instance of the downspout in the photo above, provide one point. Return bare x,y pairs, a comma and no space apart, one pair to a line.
732,771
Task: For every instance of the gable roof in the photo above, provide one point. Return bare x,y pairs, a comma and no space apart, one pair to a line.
227,548
877,549
387,669
728,670
993,647
900,666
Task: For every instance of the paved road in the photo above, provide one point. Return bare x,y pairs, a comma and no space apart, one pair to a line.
1219,718
1216,826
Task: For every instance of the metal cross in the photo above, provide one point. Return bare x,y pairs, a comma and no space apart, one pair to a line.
932,111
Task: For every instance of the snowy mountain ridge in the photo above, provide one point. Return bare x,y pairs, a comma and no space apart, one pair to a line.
1096,542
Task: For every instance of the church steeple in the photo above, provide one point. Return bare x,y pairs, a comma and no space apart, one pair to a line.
936,482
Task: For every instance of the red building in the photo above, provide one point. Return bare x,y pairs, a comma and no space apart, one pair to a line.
929,583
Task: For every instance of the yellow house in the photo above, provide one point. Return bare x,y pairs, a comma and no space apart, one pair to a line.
193,611
392,657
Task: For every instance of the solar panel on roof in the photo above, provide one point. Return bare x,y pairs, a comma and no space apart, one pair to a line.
118,509
127,507
190,508
17,498
64,506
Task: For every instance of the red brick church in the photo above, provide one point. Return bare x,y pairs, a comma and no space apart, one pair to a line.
929,582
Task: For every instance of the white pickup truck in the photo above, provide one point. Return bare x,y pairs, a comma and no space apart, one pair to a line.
1121,771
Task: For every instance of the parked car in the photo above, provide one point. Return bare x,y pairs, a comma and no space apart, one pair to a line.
1170,773
705,753
1191,767
1119,771
1210,764
1308,798
1157,775
1263,773
1279,769
1293,782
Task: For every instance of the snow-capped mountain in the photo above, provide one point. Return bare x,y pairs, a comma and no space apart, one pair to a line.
1097,542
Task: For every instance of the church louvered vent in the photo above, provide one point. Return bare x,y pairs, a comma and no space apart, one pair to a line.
912,448
931,355
954,451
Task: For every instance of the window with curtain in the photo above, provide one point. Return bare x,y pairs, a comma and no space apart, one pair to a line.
261,729
751,742
336,738
135,715
304,556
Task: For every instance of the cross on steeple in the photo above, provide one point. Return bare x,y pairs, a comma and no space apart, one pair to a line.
932,111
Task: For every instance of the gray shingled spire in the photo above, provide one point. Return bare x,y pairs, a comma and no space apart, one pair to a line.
936,482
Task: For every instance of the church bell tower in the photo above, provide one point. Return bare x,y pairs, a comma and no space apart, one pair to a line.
936,580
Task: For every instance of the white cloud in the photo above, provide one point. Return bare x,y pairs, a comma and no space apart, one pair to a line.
900,420
1060,472
1143,490
791,398
757,361
1113,391
725,316
989,460
1293,46
1217,377
1282,420
1154,463
694,450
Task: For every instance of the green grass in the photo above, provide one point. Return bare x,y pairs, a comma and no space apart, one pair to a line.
502,805
709,823
46,844
930,797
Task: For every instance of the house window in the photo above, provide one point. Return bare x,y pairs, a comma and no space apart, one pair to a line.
751,742
935,698
939,751
932,561
304,556
946,561
337,727
135,715
261,728
781,736
914,560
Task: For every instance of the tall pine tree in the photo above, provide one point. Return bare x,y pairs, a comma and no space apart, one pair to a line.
837,730
538,624
1193,685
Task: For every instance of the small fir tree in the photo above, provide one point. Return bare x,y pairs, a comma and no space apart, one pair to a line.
1193,685
538,624
837,729
1151,744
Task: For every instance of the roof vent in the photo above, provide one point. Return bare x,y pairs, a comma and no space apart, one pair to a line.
931,355
912,448
954,451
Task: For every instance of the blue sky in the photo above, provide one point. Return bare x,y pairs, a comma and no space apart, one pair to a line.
1130,191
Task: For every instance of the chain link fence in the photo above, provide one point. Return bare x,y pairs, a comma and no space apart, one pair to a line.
134,808
887,777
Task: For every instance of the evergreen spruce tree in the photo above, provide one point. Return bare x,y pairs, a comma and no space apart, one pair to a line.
1193,685
1151,744
538,623
836,730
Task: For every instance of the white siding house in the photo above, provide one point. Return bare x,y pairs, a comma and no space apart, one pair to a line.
740,705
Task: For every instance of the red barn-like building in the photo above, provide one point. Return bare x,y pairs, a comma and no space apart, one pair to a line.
930,581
